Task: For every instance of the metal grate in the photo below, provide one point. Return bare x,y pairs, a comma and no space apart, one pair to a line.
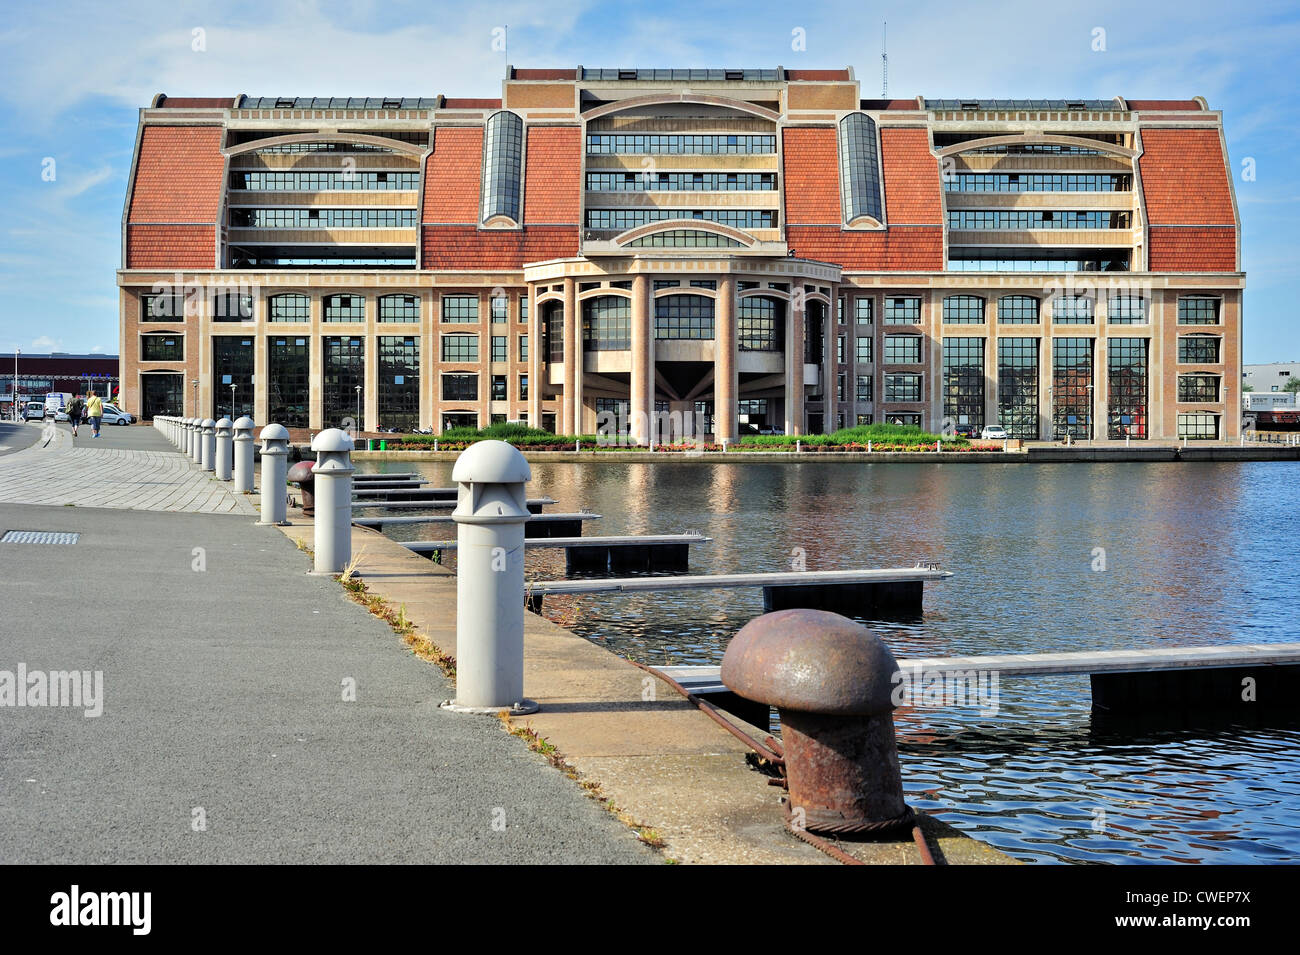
39,537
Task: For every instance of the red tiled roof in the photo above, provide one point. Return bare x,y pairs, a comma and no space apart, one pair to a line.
816,74
812,177
468,247
1185,177
463,103
171,247
913,193
196,102
452,175
1164,104
897,249
553,177
178,175
1180,249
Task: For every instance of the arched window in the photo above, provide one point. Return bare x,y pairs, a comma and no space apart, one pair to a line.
1018,310
859,169
399,308
963,310
503,152
684,238
760,324
684,316
292,307
607,323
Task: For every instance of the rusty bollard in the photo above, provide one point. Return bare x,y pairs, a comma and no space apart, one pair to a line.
832,681
301,475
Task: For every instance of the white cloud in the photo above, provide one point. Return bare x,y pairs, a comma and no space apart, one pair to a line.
46,343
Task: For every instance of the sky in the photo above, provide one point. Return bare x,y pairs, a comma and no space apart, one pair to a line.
73,76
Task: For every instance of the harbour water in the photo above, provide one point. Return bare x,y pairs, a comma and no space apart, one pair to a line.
1045,558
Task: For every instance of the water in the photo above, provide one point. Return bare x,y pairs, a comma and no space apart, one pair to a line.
1194,555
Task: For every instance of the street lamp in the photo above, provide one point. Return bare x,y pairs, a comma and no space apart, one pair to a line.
233,416
195,383
358,418
1089,386
17,351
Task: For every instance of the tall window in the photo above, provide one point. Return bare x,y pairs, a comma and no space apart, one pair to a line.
292,307
862,350
963,381
460,309
902,349
460,348
498,386
523,387
963,310
859,168
503,150
760,324
864,309
684,316
523,347
607,323
1126,386
289,374
902,310
864,388
1018,387
1198,310
399,308
553,328
161,395
500,348
399,382
232,364
500,308
1072,309
345,308
1072,386
1018,310
345,369
1126,308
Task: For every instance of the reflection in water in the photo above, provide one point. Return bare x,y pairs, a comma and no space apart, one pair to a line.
1194,554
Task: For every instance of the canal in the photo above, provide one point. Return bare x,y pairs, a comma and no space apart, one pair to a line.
1046,558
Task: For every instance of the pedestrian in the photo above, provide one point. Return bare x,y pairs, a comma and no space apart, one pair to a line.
75,407
94,411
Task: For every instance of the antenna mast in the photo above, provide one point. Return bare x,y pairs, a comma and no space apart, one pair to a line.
884,59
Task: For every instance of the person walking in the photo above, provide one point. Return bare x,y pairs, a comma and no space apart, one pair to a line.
75,409
94,411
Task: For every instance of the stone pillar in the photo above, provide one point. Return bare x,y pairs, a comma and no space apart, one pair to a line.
572,357
429,378
794,399
535,359
316,372
725,379
370,377
830,368
642,381
261,359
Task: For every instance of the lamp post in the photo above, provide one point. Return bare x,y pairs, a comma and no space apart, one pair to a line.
17,351
232,401
1091,414
195,383
358,418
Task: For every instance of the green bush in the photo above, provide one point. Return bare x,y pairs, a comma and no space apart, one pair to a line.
879,434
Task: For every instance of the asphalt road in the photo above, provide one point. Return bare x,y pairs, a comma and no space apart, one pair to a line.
17,435
223,677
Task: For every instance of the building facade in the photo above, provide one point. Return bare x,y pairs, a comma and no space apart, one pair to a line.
57,371
692,252
1271,377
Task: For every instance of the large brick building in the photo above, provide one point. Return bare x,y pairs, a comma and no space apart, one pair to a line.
754,248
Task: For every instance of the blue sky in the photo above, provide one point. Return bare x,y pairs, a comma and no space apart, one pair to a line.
73,75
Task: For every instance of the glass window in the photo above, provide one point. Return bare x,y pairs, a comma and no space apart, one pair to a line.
162,347
859,168
684,316
288,373
498,384
166,307
1198,310
760,323
500,348
320,181
231,307
1199,426
902,349
963,310
1037,182
902,310
1126,386
523,387
902,388
1198,350
863,310
399,308
523,347
503,150
638,143
622,219
864,388
460,387
1036,219
289,308
553,330
523,308
161,395
1126,309
684,238
862,350
1072,309
345,308
460,348
963,381
648,181
399,382
460,309
607,323
232,364
345,369
1018,310
1198,388
500,308
1072,386
1018,387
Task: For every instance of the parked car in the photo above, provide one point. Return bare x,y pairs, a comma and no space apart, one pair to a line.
966,431
115,415
61,415
994,432
34,411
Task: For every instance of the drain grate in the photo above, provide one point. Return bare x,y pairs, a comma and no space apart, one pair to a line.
39,537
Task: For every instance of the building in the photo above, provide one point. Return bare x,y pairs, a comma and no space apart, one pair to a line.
734,249
58,371
1269,378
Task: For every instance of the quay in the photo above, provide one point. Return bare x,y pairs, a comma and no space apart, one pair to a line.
647,553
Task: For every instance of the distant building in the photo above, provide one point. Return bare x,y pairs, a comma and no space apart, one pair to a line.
59,371
1268,378
755,248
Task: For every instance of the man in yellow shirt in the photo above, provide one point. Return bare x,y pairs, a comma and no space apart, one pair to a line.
94,411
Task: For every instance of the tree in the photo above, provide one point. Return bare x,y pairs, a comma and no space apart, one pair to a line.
1292,384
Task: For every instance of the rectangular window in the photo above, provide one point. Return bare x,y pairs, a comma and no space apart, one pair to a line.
840,355
460,309
523,387
288,374
345,308
901,310
1198,388
523,347
460,348
500,348
1198,350
232,364
345,369
231,307
902,388
684,316
498,384
864,388
902,349
1018,387
1126,386
963,310
1198,427
500,309
399,382
1126,309
162,347
963,381
841,388
864,309
866,419
862,350
162,307
289,308
1198,310
1072,386
1072,310
460,387
1018,310
399,308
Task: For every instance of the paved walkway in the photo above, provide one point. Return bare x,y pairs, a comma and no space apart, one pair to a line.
129,467
250,713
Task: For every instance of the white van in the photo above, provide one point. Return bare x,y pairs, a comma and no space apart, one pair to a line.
55,402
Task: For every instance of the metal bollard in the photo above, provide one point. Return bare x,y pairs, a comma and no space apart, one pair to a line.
275,459
833,682
332,523
208,445
490,514
300,474
222,463
190,442
242,442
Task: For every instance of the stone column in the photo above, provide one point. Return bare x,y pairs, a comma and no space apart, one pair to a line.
572,357
370,377
830,367
261,360
794,399
429,378
535,359
641,381
725,378
316,373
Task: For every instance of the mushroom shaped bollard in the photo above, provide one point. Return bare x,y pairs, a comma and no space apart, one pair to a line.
300,474
208,444
833,682
275,456
225,450
332,520
242,440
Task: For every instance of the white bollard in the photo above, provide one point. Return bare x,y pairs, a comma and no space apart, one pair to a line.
242,442
490,514
208,445
196,441
222,464
275,467
332,537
